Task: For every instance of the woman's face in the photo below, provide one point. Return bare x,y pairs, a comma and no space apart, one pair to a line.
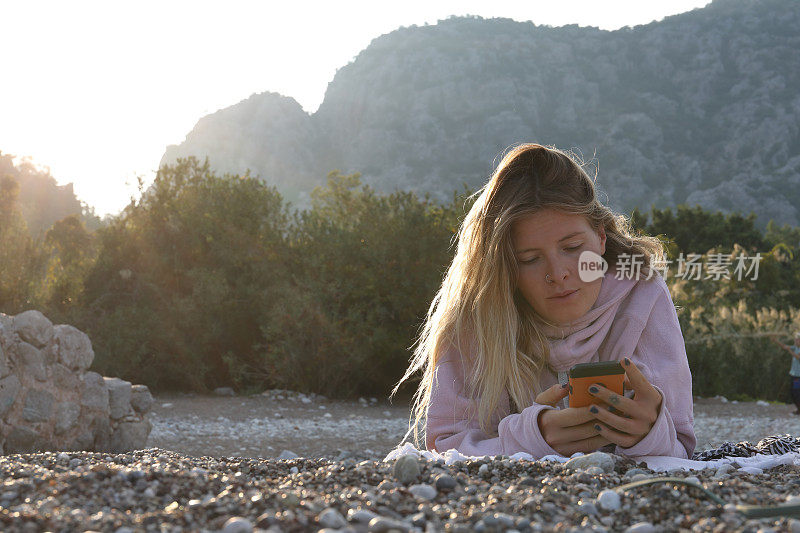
550,242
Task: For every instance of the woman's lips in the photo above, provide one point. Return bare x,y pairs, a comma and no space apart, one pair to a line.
560,298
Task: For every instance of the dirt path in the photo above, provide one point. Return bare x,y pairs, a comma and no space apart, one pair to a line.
263,426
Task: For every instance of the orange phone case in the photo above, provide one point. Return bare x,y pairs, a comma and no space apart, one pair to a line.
609,374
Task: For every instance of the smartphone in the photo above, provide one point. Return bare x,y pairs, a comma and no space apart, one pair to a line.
609,374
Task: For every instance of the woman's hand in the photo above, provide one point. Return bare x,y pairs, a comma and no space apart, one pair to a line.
627,420
567,430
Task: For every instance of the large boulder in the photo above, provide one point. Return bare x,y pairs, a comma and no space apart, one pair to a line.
49,400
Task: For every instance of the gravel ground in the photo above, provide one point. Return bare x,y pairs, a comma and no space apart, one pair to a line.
189,488
265,425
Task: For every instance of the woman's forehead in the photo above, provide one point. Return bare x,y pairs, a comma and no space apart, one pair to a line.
548,226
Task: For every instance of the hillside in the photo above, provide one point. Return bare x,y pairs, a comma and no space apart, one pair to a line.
700,108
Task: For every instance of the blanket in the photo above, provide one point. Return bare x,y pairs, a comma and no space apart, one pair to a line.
753,458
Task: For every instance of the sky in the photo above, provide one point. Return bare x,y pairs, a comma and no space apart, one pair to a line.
95,91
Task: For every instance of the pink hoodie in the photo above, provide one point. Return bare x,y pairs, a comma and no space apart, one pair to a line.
633,318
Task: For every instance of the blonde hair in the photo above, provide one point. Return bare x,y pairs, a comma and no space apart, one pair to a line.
478,300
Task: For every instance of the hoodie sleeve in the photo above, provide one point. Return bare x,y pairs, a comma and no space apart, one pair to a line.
449,424
661,356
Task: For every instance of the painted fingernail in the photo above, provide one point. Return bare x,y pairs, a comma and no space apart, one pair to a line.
597,427
565,385
593,409
627,362
593,389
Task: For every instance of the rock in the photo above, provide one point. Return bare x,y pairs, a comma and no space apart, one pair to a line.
594,470
4,369
599,459
382,524
38,406
34,328
286,455
141,399
609,500
445,482
130,436
66,416
9,389
360,515
74,348
331,518
100,428
641,527
31,360
119,396
406,469
237,524
94,393
224,391
423,491
64,378
633,471
20,440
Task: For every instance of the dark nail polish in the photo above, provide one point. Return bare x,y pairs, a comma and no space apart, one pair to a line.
593,389
627,362
565,385
597,427
593,409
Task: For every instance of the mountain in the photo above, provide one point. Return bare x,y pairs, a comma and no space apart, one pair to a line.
699,108
41,200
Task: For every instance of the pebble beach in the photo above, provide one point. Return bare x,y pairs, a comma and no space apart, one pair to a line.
160,490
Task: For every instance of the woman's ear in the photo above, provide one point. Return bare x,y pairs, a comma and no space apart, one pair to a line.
601,232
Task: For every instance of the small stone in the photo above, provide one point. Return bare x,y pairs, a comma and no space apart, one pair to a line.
599,459
445,482
640,477
286,455
224,391
331,518
594,470
483,470
360,515
633,471
383,524
237,524
406,469
641,527
587,508
609,500
423,491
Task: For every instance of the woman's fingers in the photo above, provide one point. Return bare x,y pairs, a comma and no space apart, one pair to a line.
553,395
625,440
589,445
641,386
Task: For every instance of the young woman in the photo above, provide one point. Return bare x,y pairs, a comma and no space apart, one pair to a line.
515,312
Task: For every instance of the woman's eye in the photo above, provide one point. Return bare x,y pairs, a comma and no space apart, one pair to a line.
528,261
574,247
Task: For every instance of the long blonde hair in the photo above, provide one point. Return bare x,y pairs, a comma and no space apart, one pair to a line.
478,295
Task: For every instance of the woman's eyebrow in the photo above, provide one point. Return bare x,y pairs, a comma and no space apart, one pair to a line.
571,235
